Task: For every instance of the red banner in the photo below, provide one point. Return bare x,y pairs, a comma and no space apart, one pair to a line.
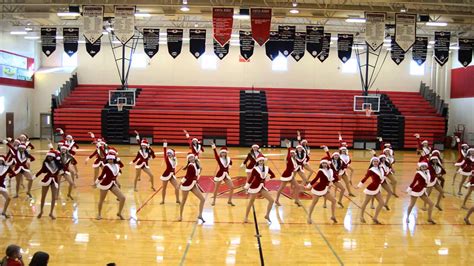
222,20
261,21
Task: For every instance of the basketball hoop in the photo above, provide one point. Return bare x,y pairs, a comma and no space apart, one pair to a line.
120,106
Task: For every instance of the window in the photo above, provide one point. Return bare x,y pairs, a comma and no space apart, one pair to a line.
2,104
280,63
69,61
416,70
139,60
350,66
208,61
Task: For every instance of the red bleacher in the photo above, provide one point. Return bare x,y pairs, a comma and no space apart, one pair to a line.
164,111
420,117
320,114
80,112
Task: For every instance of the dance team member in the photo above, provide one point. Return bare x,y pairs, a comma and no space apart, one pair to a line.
99,154
417,189
424,149
141,161
169,175
307,149
195,146
343,176
190,183
338,167
437,172
288,176
376,175
66,161
5,170
466,168
225,163
462,152
22,159
51,169
251,160
387,187
72,147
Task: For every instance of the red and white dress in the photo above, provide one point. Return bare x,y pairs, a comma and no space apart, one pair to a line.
51,170
71,146
302,158
142,158
22,160
257,179
466,167
292,166
461,154
170,165
424,151
99,155
224,166
191,178
321,182
196,149
435,171
420,182
108,177
377,176
5,170
67,160
250,161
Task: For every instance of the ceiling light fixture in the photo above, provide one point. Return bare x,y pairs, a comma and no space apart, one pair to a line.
18,32
142,15
184,7
68,14
294,10
32,37
355,20
436,24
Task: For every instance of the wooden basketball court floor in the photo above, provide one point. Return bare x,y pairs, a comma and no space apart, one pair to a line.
152,236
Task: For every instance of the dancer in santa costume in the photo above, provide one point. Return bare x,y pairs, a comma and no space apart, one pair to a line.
437,172
169,175
66,160
189,183
376,175
347,161
424,149
107,181
99,155
23,138
470,187
385,185
141,161
195,147
417,189
304,144
289,175
255,186
389,153
466,168
72,147
320,188
51,168
251,160
338,169
5,170
225,163
462,152
22,159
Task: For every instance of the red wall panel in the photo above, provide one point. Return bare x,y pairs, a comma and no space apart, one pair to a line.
462,82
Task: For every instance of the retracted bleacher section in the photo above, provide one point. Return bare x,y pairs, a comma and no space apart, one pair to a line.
164,111
420,117
80,112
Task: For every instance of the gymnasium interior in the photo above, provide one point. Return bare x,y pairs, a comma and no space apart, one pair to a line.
235,74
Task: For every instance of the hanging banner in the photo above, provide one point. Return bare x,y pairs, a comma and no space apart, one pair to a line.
175,41
420,49
314,40
93,22
465,51
397,54
344,46
197,42
286,35
326,47
405,30
151,41
272,46
247,44
70,40
48,40
124,25
222,20
300,46
93,48
260,21
221,51
375,29
441,47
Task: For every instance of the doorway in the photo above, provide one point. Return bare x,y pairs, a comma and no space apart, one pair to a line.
10,125
45,126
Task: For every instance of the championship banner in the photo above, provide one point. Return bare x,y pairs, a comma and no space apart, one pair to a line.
260,21
314,40
465,51
124,25
175,41
420,49
326,47
48,40
405,30
222,22
286,36
70,40
151,41
247,44
300,46
197,42
344,46
93,22
272,46
441,47
221,51
375,29
397,54
93,48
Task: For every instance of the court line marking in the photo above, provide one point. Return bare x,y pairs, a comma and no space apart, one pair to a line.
257,235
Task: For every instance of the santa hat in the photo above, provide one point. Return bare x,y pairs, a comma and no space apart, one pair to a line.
223,150
388,145
190,155
344,144
343,148
63,147
424,142
195,139
60,143
144,142
17,141
110,156
69,137
387,150
170,151
52,153
470,150
23,136
382,156
61,131
255,146
260,157
100,142
3,158
335,153
325,160
304,141
113,151
374,159
434,157
423,163
292,150
464,145
22,145
299,146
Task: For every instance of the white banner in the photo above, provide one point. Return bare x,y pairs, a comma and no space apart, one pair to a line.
124,25
93,22
405,30
375,29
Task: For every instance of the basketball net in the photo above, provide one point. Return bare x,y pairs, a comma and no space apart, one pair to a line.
120,107
368,111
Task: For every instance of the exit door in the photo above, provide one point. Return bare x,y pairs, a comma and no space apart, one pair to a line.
10,126
45,126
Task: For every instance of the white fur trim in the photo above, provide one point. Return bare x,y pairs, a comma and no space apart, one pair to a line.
464,173
373,192
287,178
249,170
102,187
97,165
257,190
417,194
166,178
139,166
255,146
320,193
420,164
188,188
47,183
2,189
110,157
222,177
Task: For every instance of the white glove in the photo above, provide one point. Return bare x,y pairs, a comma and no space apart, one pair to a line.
325,148
408,189
242,165
213,146
308,186
360,185
4,141
187,135
380,139
130,162
165,144
458,140
417,136
247,186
